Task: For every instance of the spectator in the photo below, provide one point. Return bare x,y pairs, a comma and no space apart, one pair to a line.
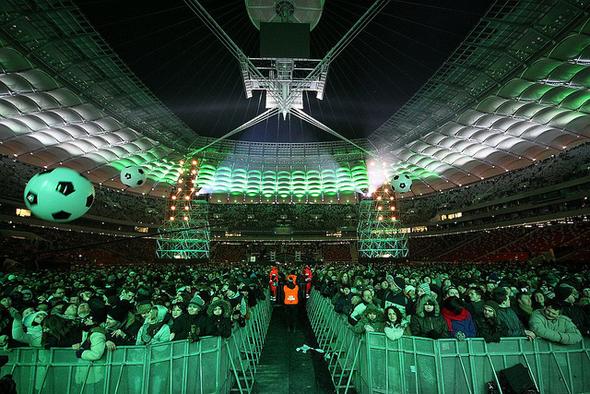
567,295
218,322
428,322
475,304
154,329
393,326
342,300
93,342
57,333
458,318
487,324
524,308
548,323
370,321
395,295
508,319
359,309
28,329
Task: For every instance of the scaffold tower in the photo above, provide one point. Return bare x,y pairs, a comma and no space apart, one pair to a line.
185,233
379,229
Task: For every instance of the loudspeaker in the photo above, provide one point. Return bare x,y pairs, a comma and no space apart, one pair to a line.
517,380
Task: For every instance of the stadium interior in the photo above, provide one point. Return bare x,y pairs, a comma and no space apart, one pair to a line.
289,196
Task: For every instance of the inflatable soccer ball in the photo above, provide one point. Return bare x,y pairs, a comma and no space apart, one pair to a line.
133,176
59,195
401,183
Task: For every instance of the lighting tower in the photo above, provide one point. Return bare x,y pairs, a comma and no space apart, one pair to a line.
379,229
185,233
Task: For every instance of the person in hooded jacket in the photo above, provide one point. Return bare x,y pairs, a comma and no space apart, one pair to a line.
458,318
371,320
218,322
487,325
428,322
154,329
28,329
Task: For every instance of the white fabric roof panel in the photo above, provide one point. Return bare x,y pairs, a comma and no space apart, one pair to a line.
43,123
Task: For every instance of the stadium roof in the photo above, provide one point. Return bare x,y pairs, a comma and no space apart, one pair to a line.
515,91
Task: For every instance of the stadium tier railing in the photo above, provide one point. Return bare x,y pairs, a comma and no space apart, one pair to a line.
209,366
371,363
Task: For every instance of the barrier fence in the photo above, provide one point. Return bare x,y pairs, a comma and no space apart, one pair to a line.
371,363
211,365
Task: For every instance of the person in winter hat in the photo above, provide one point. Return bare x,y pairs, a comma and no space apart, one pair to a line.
423,288
218,322
567,296
427,322
121,326
371,320
395,296
487,325
154,329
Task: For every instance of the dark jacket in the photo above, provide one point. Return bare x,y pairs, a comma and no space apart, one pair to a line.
579,317
428,326
475,308
185,326
218,326
489,329
511,324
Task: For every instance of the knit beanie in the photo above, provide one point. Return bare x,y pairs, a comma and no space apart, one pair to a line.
197,300
492,304
563,292
118,313
409,288
425,288
398,282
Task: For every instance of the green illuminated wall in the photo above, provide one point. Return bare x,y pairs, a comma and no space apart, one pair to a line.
283,183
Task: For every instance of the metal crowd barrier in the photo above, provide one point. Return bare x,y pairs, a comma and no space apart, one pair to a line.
371,363
211,365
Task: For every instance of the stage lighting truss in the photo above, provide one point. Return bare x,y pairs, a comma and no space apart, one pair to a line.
285,80
379,229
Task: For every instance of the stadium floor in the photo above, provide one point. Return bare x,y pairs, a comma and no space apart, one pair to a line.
282,369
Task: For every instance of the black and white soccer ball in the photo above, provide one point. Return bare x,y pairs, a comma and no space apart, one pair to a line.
401,183
133,176
59,195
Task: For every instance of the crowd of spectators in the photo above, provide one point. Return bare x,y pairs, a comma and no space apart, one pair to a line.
93,308
502,244
435,300
572,164
41,246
